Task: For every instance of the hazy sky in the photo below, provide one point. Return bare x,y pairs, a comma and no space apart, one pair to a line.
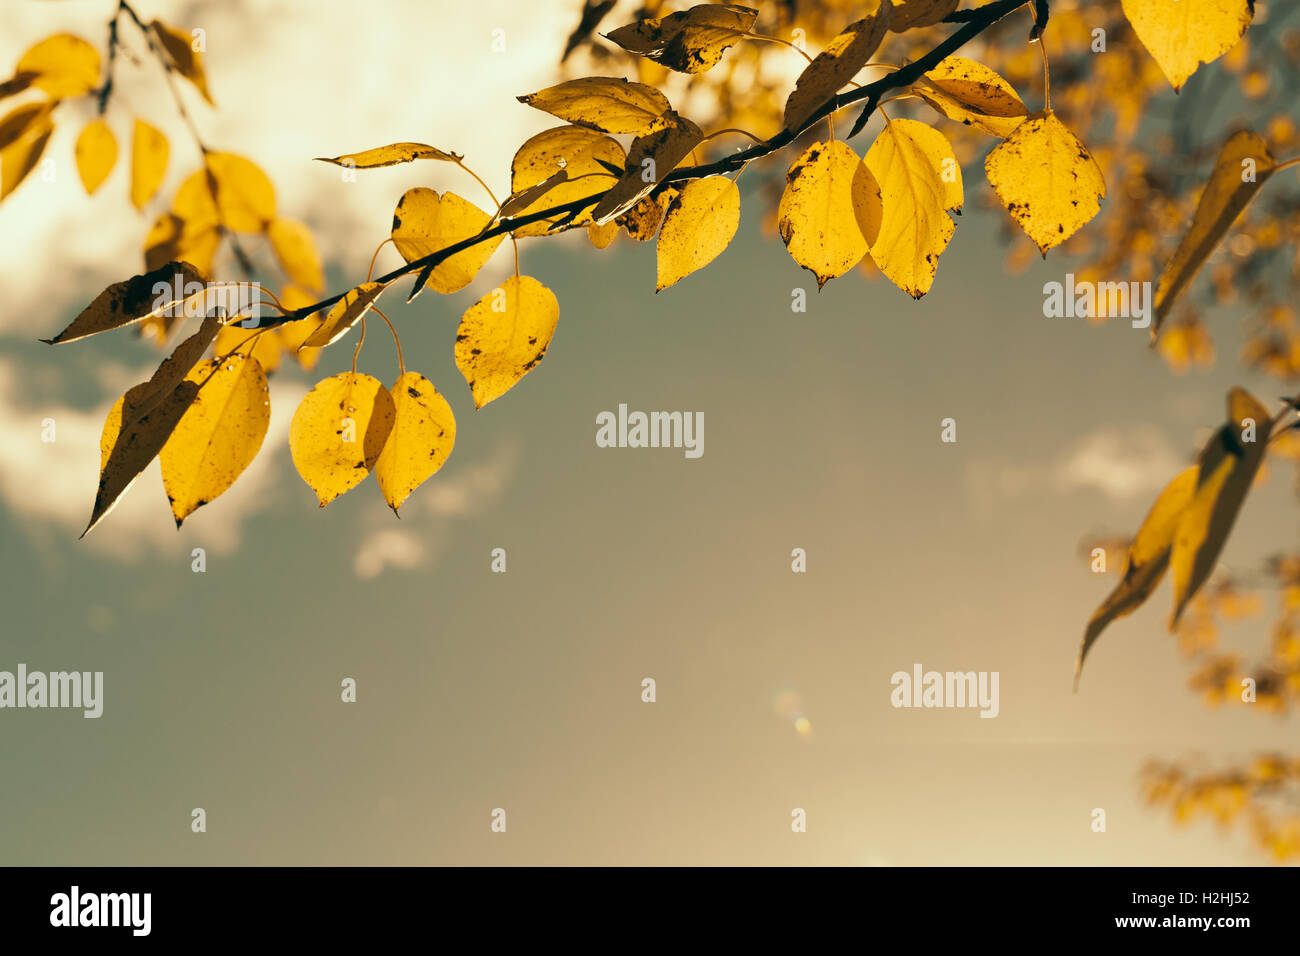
523,690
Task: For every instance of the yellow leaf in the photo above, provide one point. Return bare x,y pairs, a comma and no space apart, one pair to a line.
605,103
971,93
63,66
601,236
909,14
96,152
1183,34
651,158
1243,165
390,156
149,151
266,345
16,84
641,222
174,239
690,41
504,335
516,204
840,62
423,435
187,60
698,225
577,151
1148,557
1227,466
339,431
920,180
219,434
345,314
20,156
293,334
425,222
173,371
830,212
295,247
229,191
133,299
1046,179
24,120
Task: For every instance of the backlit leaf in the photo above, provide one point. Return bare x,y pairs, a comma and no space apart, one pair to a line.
262,344
504,335
149,151
424,223
132,299
175,239
909,14
830,211
187,60
423,435
219,434
650,158
698,225
295,248
390,155
920,180
62,66
577,151
1046,179
346,313
971,93
96,152
832,69
339,431
23,152
293,334
689,41
602,103
1183,34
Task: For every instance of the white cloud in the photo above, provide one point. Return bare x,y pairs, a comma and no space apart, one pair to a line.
1121,463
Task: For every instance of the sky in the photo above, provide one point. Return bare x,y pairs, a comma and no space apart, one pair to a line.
523,690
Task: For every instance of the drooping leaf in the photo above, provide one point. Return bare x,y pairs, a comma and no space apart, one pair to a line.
582,154
605,103
1244,164
1226,468
16,84
1046,179
601,236
504,335
96,153
1148,557
1183,34
832,69
187,60
390,155
346,313
971,93
218,436
175,239
920,180
62,66
245,196
24,151
425,222
24,120
651,158
423,435
295,248
909,14
830,212
149,152
699,223
339,431
689,41
133,299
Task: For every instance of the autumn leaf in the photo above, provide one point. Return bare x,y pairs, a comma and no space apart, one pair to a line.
909,14
230,191
1183,34
346,313
219,434
174,239
96,153
24,120
62,66
390,155
830,212
842,59
920,180
604,103
698,225
582,154
641,222
504,335
971,93
265,345
1046,179
1244,164
425,223
650,158
339,431
602,235
133,299
516,204
27,130
172,371
424,432
187,61
1148,557
293,334
149,151
295,248
1227,466
689,41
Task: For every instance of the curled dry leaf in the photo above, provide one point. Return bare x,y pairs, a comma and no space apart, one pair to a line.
390,155
689,41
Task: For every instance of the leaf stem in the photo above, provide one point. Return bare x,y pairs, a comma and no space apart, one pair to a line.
401,363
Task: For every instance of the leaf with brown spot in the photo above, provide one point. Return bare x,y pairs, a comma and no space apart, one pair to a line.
423,435
339,432
131,300
832,69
